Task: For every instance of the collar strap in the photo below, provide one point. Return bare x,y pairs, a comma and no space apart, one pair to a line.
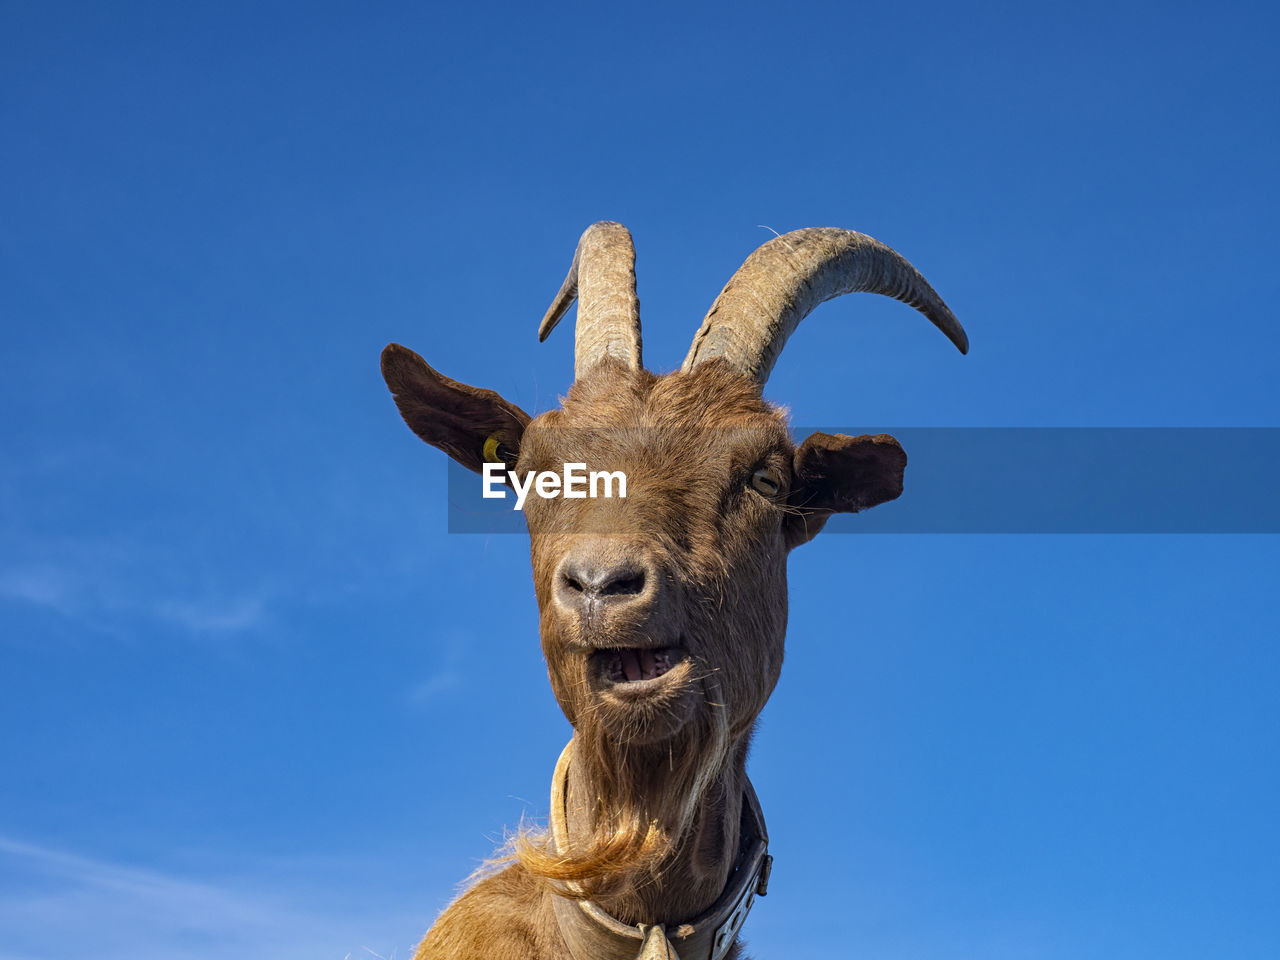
592,934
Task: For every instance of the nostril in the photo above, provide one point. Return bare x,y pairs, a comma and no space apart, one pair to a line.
624,584
572,582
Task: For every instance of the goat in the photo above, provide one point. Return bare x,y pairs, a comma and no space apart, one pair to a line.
662,615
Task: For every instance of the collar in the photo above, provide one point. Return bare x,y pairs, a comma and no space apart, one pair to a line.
592,934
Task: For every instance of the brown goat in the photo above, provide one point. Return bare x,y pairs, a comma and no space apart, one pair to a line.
662,613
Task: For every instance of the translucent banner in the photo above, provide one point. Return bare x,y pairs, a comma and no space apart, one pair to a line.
958,480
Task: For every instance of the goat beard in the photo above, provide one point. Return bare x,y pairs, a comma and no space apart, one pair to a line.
647,799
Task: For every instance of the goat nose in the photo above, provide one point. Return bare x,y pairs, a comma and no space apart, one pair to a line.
595,580
584,581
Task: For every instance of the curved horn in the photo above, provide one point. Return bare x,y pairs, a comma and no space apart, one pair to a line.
602,279
786,278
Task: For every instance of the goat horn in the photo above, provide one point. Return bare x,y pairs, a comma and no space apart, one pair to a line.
602,279
786,278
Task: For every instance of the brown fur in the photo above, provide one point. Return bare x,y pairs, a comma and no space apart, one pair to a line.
655,785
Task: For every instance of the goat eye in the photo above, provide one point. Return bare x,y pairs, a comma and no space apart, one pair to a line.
765,483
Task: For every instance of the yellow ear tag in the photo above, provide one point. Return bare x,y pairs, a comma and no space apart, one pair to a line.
491,450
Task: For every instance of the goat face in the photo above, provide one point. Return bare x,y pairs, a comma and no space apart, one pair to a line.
672,600
644,598
670,603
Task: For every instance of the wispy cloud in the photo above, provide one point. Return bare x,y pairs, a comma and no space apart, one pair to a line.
106,585
434,686
454,648
214,616
55,904
40,585
107,582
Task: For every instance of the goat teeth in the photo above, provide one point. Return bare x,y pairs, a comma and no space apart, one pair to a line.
636,664
648,668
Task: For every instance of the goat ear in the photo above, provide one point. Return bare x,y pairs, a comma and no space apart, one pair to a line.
457,418
834,473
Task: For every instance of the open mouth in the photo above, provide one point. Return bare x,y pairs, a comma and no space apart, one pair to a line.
624,665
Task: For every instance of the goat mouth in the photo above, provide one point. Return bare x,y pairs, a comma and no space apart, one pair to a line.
633,667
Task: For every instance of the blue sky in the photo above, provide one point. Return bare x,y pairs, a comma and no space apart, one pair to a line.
256,700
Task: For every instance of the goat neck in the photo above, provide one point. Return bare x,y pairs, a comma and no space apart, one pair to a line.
729,831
